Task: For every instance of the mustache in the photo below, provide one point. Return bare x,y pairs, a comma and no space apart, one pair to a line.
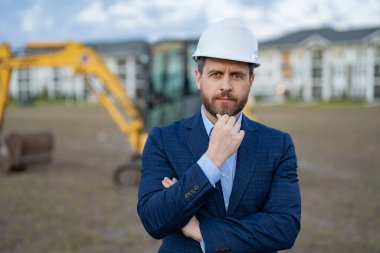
224,94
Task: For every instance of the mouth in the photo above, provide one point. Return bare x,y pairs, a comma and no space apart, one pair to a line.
229,99
225,99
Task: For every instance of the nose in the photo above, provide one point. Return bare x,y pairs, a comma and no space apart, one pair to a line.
226,83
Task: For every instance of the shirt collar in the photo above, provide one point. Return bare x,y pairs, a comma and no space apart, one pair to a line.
208,124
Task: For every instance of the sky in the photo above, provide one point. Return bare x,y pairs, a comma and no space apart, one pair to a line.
22,21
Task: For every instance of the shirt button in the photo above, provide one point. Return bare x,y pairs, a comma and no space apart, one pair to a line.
224,174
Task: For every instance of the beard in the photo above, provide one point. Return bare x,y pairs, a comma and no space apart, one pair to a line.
230,109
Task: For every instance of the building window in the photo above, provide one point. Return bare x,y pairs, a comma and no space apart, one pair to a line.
377,81
122,69
317,55
141,76
317,73
24,92
57,83
377,53
377,74
377,71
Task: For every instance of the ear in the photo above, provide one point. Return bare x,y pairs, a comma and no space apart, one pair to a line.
198,77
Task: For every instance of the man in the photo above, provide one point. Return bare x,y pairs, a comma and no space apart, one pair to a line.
217,181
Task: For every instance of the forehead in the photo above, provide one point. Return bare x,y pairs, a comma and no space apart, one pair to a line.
221,64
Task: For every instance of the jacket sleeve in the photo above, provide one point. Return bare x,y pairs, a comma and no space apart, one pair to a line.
275,227
164,211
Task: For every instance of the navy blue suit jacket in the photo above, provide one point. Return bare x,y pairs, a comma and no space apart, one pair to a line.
264,210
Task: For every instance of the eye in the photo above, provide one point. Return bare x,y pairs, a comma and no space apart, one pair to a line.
237,76
216,74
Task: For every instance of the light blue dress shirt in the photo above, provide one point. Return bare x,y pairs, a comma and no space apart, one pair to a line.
227,173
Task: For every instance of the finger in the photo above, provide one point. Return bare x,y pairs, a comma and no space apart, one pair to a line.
222,119
169,181
236,127
174,180
231,121
237,139
165,184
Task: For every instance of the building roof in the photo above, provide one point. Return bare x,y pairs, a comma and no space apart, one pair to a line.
134,46
327,33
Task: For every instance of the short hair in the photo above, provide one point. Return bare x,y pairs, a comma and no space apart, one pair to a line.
202,60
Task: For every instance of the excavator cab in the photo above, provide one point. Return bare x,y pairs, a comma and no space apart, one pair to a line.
172,95
173,92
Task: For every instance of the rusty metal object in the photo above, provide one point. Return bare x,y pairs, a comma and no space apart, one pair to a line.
20,150
5,159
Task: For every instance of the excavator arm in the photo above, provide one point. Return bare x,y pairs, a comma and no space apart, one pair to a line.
82,60
5,75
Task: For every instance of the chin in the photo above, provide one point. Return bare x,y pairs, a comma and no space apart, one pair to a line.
228,112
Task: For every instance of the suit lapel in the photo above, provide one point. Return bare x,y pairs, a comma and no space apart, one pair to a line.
245,163
196,136
198,140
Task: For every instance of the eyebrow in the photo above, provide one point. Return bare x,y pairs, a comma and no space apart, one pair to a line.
238,72
213,71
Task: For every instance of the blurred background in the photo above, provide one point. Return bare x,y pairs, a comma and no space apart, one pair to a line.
69,168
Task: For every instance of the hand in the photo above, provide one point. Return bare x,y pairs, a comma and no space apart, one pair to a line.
167,182
191,229
225,139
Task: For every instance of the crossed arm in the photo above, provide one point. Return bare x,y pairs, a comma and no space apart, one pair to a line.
191,229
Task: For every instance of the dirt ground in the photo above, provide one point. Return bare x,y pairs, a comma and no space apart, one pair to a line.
71,205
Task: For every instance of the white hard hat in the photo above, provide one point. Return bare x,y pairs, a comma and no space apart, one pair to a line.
228,39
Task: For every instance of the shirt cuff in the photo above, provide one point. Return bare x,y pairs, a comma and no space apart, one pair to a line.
209,168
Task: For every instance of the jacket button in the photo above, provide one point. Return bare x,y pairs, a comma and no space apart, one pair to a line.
196,187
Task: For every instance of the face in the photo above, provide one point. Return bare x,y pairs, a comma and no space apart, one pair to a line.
224,86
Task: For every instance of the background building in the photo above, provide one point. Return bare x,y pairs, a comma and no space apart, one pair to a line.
321,64
129,60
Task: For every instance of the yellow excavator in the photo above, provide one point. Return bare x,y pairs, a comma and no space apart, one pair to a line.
164,104
113,98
